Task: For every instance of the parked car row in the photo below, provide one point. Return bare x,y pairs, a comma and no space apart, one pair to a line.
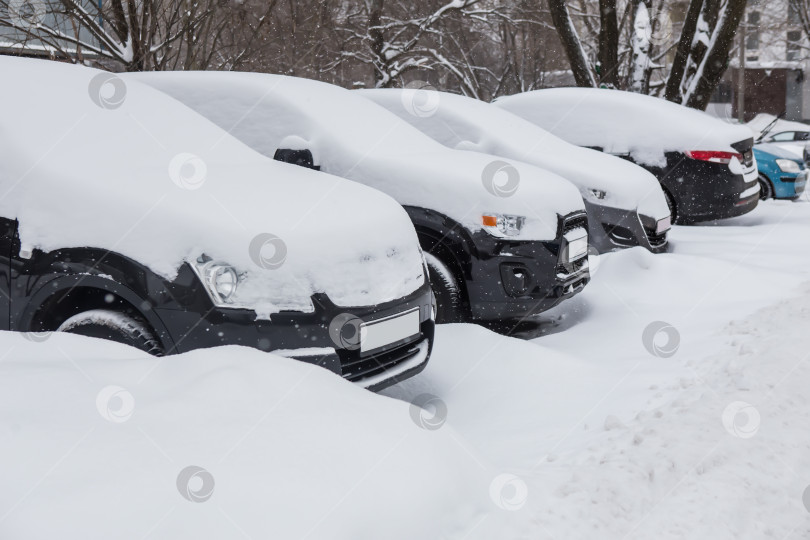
173,211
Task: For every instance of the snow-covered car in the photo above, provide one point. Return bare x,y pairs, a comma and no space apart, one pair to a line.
787,135
782,174
626,206
127,216
502,240
706,166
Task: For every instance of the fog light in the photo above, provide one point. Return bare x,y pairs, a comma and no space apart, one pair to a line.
516,279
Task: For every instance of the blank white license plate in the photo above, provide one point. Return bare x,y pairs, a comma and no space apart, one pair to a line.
381,333
664,225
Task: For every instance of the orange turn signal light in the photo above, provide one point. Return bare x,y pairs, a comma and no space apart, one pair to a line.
490,221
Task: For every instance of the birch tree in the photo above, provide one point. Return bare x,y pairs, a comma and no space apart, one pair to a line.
703,51
622,50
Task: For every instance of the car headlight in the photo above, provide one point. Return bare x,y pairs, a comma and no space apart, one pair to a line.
220,280
502,225
787,165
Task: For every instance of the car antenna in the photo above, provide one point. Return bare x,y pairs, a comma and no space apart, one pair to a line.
770,126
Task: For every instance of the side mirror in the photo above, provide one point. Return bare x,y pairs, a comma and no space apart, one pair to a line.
806,155
302,158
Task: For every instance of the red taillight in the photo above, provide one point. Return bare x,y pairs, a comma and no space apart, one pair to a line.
714,157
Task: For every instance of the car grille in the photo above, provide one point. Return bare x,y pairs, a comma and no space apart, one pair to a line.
565,270
355,367
568,224
656,239
571,222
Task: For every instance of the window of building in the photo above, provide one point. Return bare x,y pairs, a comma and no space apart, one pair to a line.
752,31
794,38
793,14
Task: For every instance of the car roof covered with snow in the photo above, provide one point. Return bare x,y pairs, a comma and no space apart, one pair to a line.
357,139
470,124
619,122
90,160
762,120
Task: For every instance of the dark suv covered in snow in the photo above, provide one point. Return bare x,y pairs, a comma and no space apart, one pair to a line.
503,240
127,216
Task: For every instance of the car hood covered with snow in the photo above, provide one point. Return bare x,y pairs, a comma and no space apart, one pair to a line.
624,123
777,151
466,123
90,160
359,140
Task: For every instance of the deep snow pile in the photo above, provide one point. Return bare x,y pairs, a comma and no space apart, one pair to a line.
588,430
621,122
613,441
98,441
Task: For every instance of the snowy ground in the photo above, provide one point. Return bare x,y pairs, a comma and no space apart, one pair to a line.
586,428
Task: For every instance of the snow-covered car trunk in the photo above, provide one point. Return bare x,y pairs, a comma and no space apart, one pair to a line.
705,165
89,160
481,197
625,203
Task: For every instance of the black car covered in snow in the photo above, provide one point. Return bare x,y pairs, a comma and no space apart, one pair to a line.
706,166
503,240
127,216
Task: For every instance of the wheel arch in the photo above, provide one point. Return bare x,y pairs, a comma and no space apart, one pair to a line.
447,240
74,286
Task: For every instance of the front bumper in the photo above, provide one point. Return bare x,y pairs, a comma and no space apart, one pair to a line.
790,186
614,228
311,337
513,279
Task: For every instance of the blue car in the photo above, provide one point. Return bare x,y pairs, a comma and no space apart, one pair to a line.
782,174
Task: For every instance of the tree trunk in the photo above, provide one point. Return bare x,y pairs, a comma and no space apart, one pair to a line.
715,61
608,43
676,73
570,40
641,63
377,44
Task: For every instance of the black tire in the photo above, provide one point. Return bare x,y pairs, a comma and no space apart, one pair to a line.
765,188
114,326
673,208
447,296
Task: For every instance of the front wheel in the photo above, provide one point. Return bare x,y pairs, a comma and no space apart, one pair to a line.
765,189
447,296
113,326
